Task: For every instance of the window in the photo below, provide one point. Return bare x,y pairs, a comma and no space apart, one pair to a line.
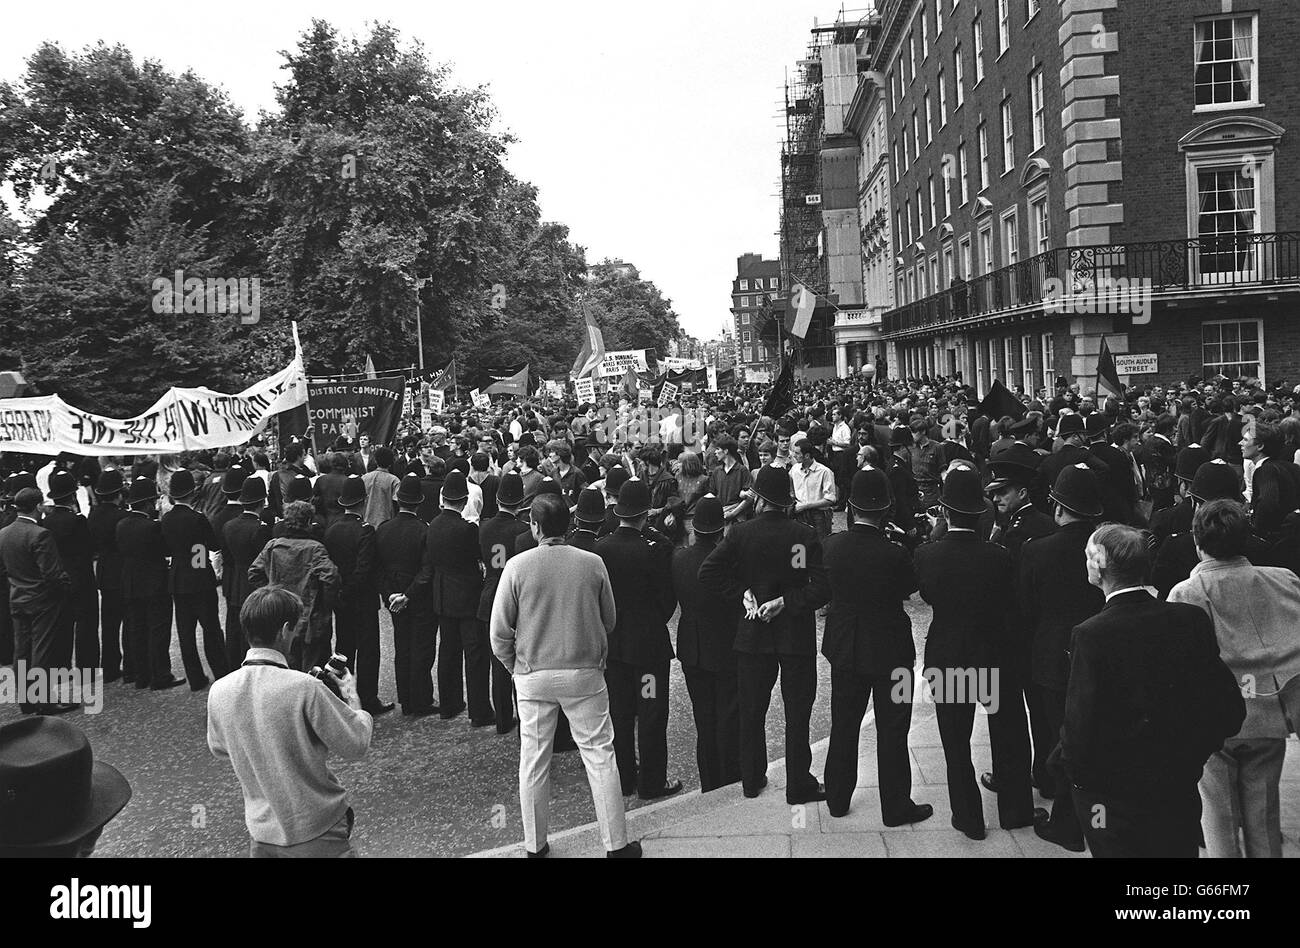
911,286
1010,238
934,208
938,17
898,164
920,215
1233,348
898,228
964,250
1227,218
744,302
907,212
774,283
916,135
925,35
922,283
892,101
1036,107
978,40
911,63
1004,27
947,190
744,319
1226,61
1049,362
1008,361
1038,220
1027,363
746,337
744,284
984,156
948,272
1031,11
956,75
981,368
1008,138
986,248
961,173
992,346
943,101
934,273
929,119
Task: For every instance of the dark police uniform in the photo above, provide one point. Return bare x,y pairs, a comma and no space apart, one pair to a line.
451,572
706,635
497,537
79,622
190,538
774,556
640,657
115,654
399,552
148,606
244,537
350,542
868,638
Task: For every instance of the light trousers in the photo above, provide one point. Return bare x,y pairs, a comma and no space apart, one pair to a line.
582,695
1239,788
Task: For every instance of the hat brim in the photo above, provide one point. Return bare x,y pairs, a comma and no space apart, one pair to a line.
630,513
707,531
355,503
998,484
409,499
108,493
879,506
109,793
509,501
577,519
779,501
455,497
182,496
71,493
963,510
1093,512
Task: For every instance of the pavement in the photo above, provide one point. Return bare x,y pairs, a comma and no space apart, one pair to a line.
723,824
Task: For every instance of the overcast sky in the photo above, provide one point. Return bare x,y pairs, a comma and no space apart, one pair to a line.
652,130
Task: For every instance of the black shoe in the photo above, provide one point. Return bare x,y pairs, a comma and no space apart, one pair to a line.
486,722
762,784
165,685
378,708
421,712
142,684
919,813
199,687
541,853
1043,830
53,709
989,784
629,792
976,833
1038,816
808,796
667,790
507,729
630,851
448,715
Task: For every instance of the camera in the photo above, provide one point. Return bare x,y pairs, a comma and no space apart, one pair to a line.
335,668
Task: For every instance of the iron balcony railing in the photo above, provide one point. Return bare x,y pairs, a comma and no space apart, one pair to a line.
1070,279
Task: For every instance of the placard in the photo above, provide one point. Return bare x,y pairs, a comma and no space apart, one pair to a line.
437,400
585,389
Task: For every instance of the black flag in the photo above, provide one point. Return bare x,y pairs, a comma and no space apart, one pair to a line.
1000,402
781,398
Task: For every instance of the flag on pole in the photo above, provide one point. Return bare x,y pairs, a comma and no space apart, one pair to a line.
370,367
1107,376
781,398
804,301
631,386
507,382
592,352
999,402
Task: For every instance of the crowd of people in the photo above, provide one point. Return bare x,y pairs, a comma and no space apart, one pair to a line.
1123,569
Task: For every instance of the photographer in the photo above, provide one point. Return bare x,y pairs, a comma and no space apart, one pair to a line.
277,726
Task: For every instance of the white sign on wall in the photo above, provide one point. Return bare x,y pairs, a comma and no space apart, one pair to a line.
1147,363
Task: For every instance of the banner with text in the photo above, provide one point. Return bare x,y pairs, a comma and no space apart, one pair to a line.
371,407
616,363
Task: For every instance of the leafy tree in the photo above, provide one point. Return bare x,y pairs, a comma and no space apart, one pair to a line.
631,311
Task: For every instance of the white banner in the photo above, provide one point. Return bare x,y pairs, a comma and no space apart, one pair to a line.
408,404
667,393
585,389
184,419
480,400
672,364
437,399
617,363
712,372
426,420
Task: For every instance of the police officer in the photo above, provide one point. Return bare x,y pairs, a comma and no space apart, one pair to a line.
399,551
79,622
1055,596
588,519
9,486
1070,429
104,516
774,566
299,489
190,539
968,581
452,571
243,539
706,633
1178,518
1119,494
350,542
497,537
144,588
868,641
1019,521
640,650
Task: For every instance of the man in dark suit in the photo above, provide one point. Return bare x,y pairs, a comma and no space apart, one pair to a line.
588,519
1149,701
350,542
9,486
79,623
1275,481
868,641
144,588
243,539
102,524
497,537
329,486
190,539
399,552
968,581
1222,434
774,566
1019,521
1178,518
1055,596
38,587
706,633
1159,458
1119,494
452,572
1177,556
640,650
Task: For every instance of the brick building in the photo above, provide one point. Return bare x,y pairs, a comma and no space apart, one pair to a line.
758,282
1020,241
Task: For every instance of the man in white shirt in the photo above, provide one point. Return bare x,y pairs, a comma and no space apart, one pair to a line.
814,488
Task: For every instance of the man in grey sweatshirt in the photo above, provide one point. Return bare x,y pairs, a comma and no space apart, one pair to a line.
553,611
